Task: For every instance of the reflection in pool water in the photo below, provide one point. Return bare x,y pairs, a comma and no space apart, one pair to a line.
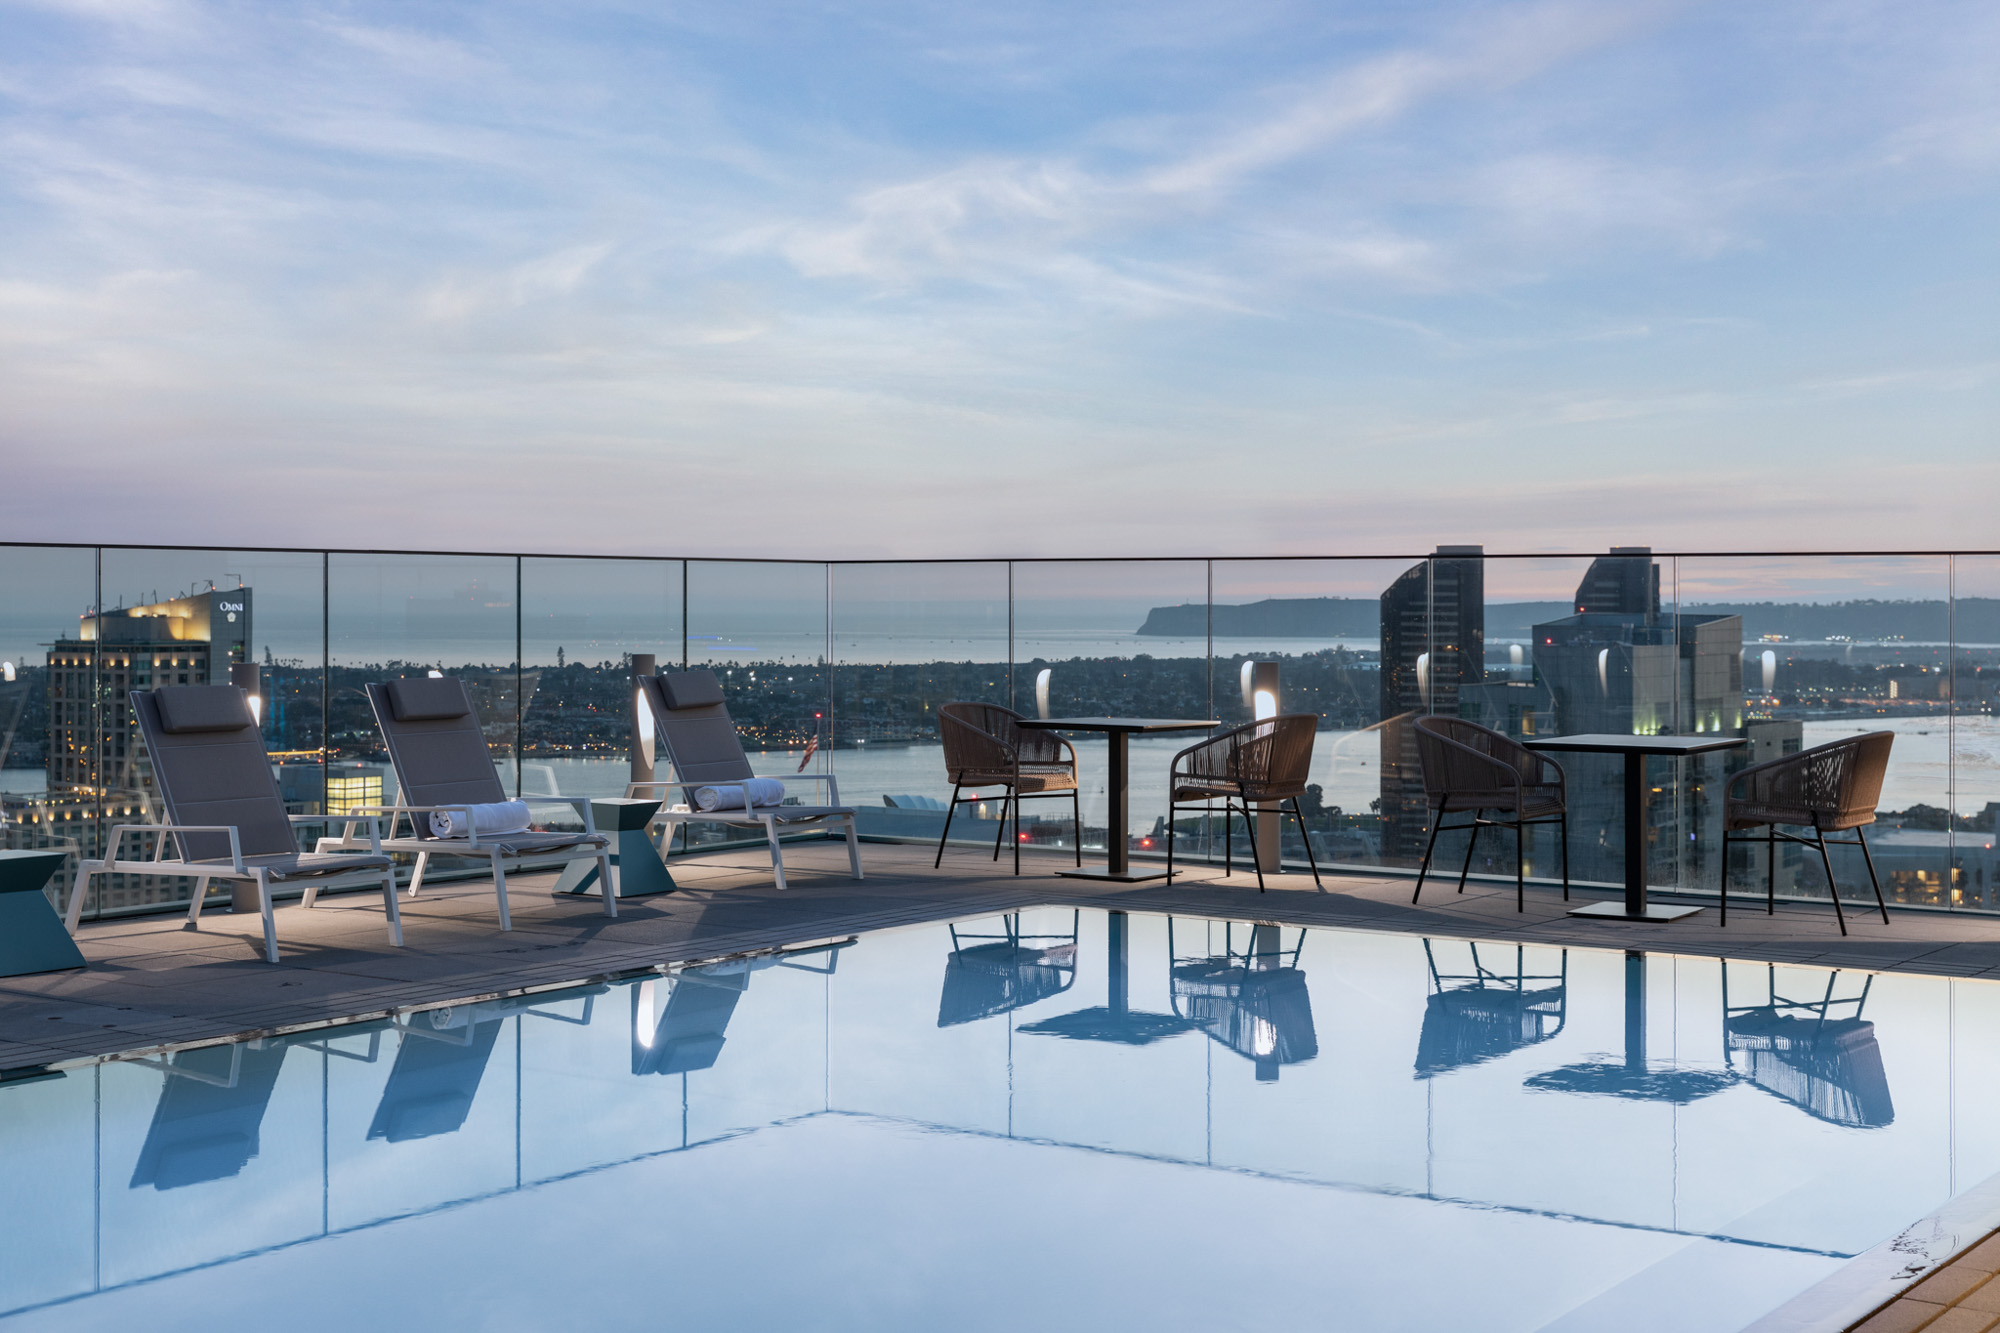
1149,1117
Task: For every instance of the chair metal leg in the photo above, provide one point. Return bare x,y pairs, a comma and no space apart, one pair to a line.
1471,841
1770,870
1429,847
1724,901
1017,830
1170,840
196,902
1305,835
417,873
1831,887
949,811
1228,843
1250,832
1870,859
1076,825
853,849
1520,880
391,908
73,909
500,892
1562,825
1001,832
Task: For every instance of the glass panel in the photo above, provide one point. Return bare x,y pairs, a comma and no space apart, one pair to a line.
1830,648
48,706
410,615
1559,637
581,621
1320,624
907,638
189,617
1114,638
1975,731
762,627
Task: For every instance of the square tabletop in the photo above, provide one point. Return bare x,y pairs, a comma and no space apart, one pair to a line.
1118,723
1613,743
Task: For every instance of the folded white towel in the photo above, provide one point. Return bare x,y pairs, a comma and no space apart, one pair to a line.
763,791
504,817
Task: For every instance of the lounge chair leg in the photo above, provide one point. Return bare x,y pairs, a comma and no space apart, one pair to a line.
1832,888
1870,859
195,902
417,872
1471,841
853,848
500,892
1429,847
392,908
604,878
777,858
270,917
73,909
949,811
1305,836
311,896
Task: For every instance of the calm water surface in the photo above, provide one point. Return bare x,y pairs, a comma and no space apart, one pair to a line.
1056,1120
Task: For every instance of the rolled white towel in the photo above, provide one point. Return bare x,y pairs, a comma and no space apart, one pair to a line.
503,817
763,791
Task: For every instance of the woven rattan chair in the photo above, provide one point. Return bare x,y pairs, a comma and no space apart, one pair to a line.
985,746
1264,762
1828,789
1470,767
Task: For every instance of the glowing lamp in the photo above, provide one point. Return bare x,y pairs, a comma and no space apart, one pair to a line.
7,671
1042,693
245,676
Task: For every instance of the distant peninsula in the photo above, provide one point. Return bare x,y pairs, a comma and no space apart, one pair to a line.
1977,619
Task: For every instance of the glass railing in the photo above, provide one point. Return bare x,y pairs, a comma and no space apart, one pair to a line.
840,667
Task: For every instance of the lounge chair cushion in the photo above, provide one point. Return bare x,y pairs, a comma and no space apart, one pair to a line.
186,709
428,698
691,689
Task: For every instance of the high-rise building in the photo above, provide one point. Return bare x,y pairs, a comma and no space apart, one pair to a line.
94,744
1433,645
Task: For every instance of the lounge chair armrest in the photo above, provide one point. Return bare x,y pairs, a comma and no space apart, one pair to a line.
235,839
832,783
581,804
392,812
345,842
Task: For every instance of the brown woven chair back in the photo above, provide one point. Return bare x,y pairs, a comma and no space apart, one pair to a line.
1832,786
1270,760
1458,758
987,739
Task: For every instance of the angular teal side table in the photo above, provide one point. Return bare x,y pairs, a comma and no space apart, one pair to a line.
634,859
32,938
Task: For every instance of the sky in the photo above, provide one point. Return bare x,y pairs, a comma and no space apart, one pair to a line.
1036,279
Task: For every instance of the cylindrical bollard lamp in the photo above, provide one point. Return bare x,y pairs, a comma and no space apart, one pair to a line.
1260,691
643,664
248,677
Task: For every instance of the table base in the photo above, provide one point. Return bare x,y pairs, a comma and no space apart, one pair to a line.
634,860
1615,911
1114,876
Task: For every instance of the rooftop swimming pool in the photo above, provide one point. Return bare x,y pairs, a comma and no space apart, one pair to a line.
1055,1120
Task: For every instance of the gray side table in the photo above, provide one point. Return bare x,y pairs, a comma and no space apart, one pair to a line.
634,858
32,938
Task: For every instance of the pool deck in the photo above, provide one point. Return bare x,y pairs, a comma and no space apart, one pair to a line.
152,985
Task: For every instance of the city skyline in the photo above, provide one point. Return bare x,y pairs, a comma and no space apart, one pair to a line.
850,283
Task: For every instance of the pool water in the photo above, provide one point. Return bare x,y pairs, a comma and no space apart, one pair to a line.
1055,1120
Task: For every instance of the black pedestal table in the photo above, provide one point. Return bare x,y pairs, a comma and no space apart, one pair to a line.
1117,730
1636,750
